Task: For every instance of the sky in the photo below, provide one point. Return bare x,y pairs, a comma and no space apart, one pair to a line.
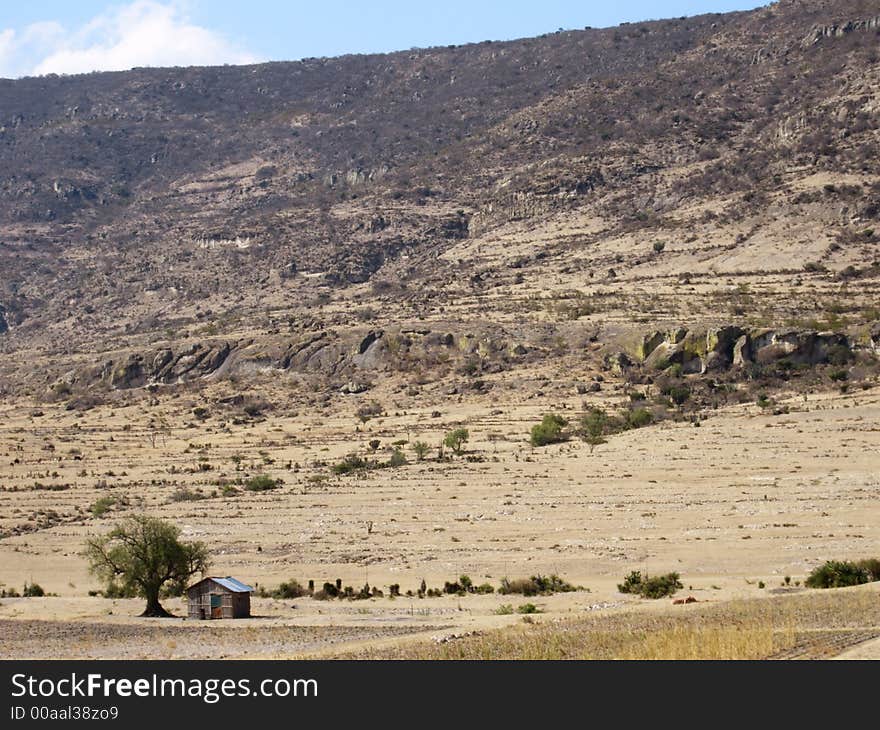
78,36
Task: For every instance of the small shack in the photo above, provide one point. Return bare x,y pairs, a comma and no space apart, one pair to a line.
219,598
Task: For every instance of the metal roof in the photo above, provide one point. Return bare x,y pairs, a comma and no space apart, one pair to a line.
236,586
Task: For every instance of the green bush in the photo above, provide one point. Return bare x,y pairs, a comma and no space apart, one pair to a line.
551,430
872,566
528,608
639,417
33,590
262,483
185,494
838,574
679,394
349,464
289,589
536,585
764,402
658,586
102,505
398,458
421,449
593,425
456,439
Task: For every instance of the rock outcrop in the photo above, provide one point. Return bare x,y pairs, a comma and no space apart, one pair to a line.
137,370
721,348
349,359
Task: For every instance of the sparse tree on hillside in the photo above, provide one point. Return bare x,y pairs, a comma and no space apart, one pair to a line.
456,439
146,555
421,449
593,427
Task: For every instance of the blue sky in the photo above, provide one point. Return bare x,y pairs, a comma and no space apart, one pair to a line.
73,36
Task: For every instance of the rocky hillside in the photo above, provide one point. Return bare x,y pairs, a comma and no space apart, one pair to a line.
518,185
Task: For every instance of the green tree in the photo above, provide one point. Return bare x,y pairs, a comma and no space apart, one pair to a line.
456,439
147,556
421,449
593,427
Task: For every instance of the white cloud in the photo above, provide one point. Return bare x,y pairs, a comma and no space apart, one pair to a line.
7,48
142,33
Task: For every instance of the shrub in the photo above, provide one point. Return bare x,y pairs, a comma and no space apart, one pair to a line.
349,464
33,590
536,585
659,246
421,449
837,574
456,439
839,355
185,494
639,417
505,609
262,483
368,411
323,595
102,505
463,585
679,394
658,586
528,608
550,430
398,458
290,589
593,426
872,567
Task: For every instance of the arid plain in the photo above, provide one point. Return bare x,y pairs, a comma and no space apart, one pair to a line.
746,498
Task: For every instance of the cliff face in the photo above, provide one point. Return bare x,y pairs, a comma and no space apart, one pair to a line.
147,201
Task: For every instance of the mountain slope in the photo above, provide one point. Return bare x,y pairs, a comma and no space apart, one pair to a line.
452,184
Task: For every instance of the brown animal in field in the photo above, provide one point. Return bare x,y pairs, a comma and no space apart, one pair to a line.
682,601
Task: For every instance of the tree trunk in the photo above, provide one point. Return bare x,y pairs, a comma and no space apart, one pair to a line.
154,608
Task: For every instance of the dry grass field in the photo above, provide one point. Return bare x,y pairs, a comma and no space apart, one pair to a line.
734,506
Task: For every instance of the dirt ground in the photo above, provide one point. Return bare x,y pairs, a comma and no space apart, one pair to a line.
746,499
